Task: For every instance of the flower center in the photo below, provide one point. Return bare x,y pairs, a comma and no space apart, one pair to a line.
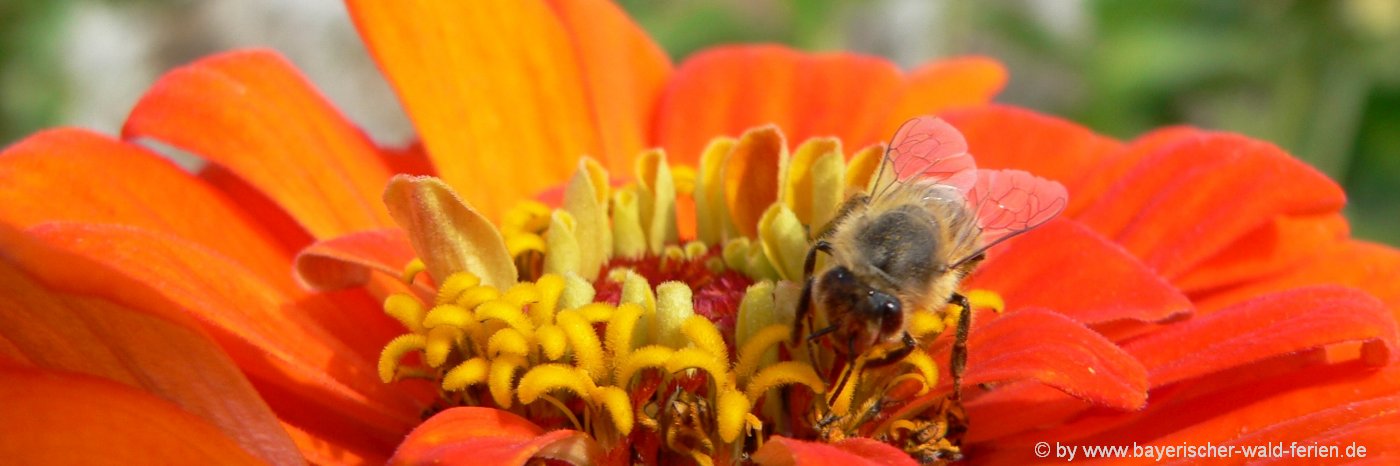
663,349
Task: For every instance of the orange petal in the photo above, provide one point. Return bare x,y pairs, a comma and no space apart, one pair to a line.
751,176
495,89
77,175
945,84
292,346
161,353
253,113
1109,284
1268,326
449,235
623,72
346,261
476,435
52,418
727,90
1189,200
783,451
1010,137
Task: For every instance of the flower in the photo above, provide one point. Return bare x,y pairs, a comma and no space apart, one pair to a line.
1201,287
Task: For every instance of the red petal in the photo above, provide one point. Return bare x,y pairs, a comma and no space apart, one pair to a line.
1371,267
53,418
162,353
290,345
346,261
783,451
1010,137
727,90
1114,166
76,175
1067,267
623,71
1189,200
1040,345
495,88
475,435
1259,397
254,114
1276,247
1266,326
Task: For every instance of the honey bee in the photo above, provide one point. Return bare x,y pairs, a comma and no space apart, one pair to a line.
905,244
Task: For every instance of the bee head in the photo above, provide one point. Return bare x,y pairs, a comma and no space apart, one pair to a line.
863,313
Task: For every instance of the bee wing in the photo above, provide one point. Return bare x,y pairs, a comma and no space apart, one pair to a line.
926,147
1010,202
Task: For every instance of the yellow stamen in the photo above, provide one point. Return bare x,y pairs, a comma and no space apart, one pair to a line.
732,408
551,288
466,374
448,315
454,285
654,356
550,377
985,299
596,312
522,294
395,350
696,358
614,400
507,341
553,341
620,330
440,342
588,351
406,309
704,335
756,349
502,378
563,245
474,296
410,271
924,323
507,312
629,240
784,373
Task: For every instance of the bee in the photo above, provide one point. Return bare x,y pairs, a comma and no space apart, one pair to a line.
904,245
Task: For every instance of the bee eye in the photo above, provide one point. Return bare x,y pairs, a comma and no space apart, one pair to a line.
884,303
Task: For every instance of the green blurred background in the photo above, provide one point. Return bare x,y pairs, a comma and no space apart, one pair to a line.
1319,78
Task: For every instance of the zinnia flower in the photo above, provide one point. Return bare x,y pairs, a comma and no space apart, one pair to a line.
1199,288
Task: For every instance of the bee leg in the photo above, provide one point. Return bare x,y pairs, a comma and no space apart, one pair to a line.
804,303
907,346
959,363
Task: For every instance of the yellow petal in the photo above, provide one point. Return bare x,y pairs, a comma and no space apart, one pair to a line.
802,191
658,202
448,234
673,307
585,198
562,243
732,406
862,167
712,217
629,241
784,241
